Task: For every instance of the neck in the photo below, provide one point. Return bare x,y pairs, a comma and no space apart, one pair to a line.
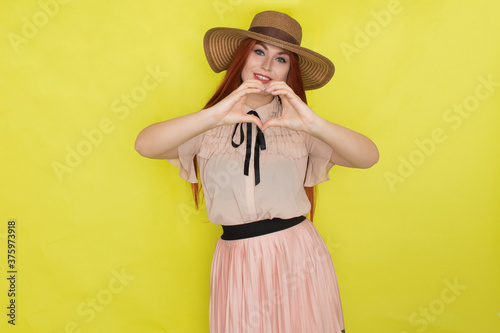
257,100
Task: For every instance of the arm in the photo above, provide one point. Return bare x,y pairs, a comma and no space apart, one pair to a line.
350,149
161,140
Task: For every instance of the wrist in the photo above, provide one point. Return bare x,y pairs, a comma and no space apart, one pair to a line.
317,127
208,118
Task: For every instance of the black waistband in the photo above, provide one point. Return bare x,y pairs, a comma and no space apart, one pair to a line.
258,228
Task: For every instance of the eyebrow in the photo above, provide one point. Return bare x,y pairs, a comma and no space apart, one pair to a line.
265,47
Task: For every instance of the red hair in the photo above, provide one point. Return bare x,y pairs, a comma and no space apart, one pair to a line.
232,80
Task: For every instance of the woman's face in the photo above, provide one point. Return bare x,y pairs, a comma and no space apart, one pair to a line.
266,63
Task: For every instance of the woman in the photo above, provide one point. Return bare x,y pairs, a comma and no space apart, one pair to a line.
259,148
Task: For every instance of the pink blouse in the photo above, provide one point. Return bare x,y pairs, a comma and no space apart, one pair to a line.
290,161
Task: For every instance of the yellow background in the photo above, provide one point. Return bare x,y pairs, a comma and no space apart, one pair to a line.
110,241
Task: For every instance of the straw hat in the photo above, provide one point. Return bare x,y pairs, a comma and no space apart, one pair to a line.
274,28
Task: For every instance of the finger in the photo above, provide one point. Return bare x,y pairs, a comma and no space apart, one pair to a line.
239,94
288,97
286,104
275,122
248,118
280,87
283,93
278,83
252,83
240,91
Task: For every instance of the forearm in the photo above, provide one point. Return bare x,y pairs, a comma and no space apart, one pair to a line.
161,140
350,146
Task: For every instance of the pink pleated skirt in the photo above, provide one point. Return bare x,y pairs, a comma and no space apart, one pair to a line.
282,282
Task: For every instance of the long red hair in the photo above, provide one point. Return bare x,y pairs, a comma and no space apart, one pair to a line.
232,80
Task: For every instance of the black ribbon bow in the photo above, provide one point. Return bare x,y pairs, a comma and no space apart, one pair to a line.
260,144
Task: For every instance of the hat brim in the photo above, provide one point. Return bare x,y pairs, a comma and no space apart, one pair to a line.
221,43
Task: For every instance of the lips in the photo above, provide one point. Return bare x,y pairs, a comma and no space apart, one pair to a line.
262,78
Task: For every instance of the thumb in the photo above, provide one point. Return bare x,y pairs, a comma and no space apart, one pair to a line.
249,118
271,123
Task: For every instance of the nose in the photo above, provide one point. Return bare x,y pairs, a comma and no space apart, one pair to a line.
267,64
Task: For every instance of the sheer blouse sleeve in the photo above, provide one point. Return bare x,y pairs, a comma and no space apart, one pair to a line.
187,151
318,164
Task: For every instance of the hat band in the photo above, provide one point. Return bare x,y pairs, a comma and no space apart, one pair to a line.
275,33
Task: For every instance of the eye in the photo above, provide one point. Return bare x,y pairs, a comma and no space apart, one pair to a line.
282,60
259,51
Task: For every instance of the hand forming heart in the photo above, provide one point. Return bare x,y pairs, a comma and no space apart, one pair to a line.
296,115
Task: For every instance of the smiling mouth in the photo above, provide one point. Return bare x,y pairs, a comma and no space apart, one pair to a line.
263,77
